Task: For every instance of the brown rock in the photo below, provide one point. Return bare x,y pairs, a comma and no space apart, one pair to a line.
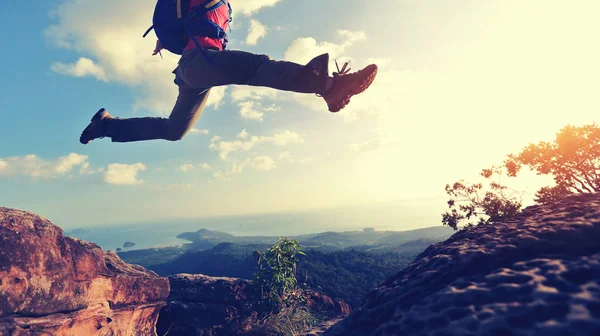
325,304
537,274
56,285
215,306
203,305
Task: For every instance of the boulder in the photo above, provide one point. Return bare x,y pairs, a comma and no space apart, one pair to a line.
215,306
51,284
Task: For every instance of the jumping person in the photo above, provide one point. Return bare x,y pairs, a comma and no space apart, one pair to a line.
196,30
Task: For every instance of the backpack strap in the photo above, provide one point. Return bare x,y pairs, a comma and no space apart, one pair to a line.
209,6
198,13
179,9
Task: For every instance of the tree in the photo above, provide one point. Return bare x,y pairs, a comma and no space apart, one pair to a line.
572,159
469,202
276,274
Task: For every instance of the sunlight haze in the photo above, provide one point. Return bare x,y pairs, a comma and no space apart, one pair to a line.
461,84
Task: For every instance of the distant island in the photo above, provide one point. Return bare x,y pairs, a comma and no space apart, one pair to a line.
128,244
77,231
366,239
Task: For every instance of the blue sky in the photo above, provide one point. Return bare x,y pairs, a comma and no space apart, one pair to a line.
495,75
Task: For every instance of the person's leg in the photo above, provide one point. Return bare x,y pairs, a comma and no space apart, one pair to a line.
244,68
188,108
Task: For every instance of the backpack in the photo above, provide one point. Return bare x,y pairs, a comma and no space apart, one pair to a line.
174,22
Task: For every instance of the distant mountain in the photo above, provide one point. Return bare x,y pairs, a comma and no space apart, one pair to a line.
343,265
204,234
204,239
375,239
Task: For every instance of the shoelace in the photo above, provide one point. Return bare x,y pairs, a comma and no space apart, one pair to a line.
343,71
340,72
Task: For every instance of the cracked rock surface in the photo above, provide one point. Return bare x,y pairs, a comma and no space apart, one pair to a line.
536,274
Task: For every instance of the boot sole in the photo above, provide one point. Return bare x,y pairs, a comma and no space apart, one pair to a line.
360,89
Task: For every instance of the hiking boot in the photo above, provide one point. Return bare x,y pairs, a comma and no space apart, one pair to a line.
95,130
346,85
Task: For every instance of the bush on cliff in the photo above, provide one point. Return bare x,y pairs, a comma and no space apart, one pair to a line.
572,160
283,304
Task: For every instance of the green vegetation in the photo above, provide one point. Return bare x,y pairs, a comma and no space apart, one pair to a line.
342,265
343,274
282,301
349,275
276,274
572,159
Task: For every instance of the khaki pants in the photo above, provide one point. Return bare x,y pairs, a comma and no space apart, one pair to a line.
195,77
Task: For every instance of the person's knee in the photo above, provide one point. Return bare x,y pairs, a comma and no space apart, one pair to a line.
174,137
176,133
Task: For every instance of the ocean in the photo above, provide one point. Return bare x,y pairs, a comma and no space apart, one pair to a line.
164,233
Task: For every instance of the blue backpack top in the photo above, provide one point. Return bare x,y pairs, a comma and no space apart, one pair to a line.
174,22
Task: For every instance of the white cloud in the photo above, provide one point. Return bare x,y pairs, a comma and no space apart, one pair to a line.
108,33
251,110
249,100
123,174
304,49
65,163
284,138
243,134
86,169
199,131
246,92
84,67
256,30
259,163
249,7
279,139
186,167
264,163
254,110
216,95
33,166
